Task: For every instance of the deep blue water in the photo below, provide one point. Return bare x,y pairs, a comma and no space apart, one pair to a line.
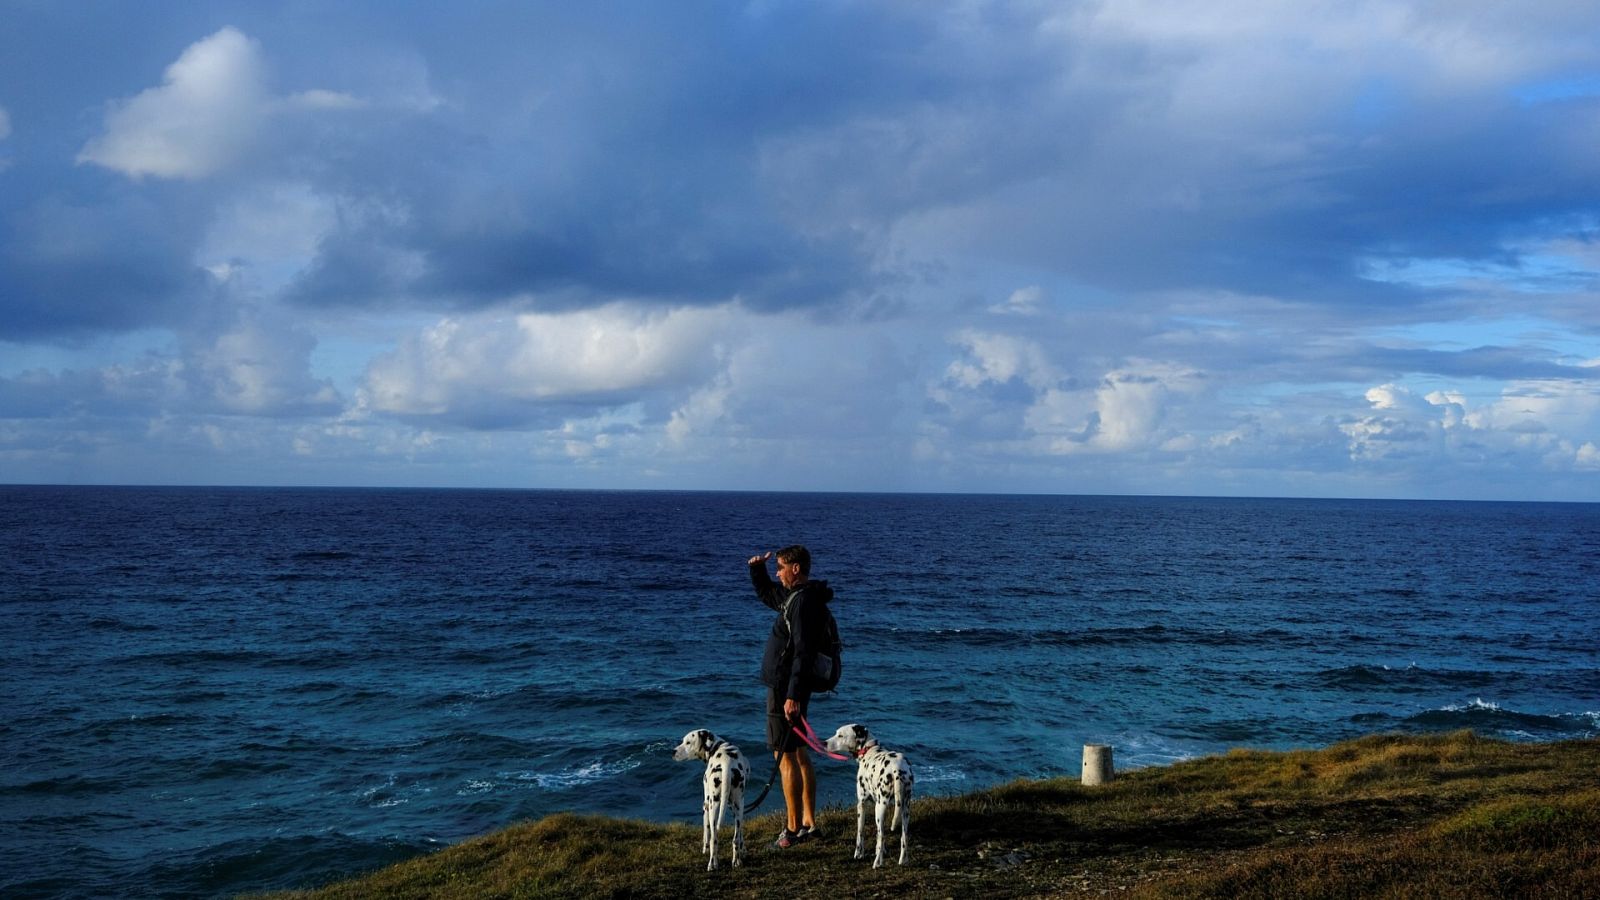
208,691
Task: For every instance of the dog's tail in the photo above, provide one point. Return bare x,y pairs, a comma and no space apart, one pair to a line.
727,794
902,803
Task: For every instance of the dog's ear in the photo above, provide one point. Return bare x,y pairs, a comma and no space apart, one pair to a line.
706,739
859,732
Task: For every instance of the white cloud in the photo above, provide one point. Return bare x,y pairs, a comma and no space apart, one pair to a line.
1125,410
998,358
260,368
1068,416
257,365
205,113
1027,301
1132,403
1588,456
704,410
1406,427
318,98
487,366
1560,407
1539,423
210,110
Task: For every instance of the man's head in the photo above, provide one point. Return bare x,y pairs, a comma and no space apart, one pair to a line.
794,565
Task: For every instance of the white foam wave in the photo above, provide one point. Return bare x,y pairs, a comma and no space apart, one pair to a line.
938,774
391,793
1136,751
574,776
1591,719
1478,704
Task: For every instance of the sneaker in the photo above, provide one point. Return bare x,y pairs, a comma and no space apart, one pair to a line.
808,833
786,839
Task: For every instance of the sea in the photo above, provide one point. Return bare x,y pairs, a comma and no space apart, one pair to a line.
208,691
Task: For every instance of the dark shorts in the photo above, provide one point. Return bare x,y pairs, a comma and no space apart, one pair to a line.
780,736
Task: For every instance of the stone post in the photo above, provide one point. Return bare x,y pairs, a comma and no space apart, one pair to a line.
1096,764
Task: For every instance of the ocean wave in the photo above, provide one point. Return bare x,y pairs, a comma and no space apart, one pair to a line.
594,770
392,793
186,659
111,624
104,728
937,774
296,745
1489,717
473,745
1412,676
1135,751
64,786
312,687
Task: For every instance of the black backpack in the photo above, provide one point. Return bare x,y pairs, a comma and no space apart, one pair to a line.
824,674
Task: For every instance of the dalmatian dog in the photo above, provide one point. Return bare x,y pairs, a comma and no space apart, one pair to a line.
883,775
727,772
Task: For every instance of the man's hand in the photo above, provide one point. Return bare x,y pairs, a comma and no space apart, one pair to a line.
761,558
790,709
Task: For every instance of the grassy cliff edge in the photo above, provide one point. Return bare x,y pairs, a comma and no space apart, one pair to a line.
1382,816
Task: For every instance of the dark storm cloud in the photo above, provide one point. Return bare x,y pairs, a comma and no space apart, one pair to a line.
69,268
682,157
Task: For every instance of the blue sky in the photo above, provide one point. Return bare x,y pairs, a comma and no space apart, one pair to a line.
1240,248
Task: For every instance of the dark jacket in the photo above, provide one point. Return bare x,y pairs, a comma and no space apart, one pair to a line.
795,639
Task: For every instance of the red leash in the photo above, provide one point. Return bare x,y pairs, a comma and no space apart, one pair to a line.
814,742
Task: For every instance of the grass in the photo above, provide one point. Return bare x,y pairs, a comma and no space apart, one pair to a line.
1385,816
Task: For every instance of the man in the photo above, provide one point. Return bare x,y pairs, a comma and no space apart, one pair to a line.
797,635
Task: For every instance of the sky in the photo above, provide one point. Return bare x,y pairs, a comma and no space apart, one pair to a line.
1263,248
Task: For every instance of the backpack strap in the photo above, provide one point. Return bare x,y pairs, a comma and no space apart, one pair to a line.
783,614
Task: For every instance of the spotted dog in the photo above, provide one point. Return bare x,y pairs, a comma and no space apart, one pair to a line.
727,772
884,776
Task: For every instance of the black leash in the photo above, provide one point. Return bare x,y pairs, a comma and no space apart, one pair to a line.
810,737
770,779
751,807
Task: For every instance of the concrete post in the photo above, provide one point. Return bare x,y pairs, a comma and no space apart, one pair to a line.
1096,764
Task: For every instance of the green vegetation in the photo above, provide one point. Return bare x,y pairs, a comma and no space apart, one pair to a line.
1386,816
